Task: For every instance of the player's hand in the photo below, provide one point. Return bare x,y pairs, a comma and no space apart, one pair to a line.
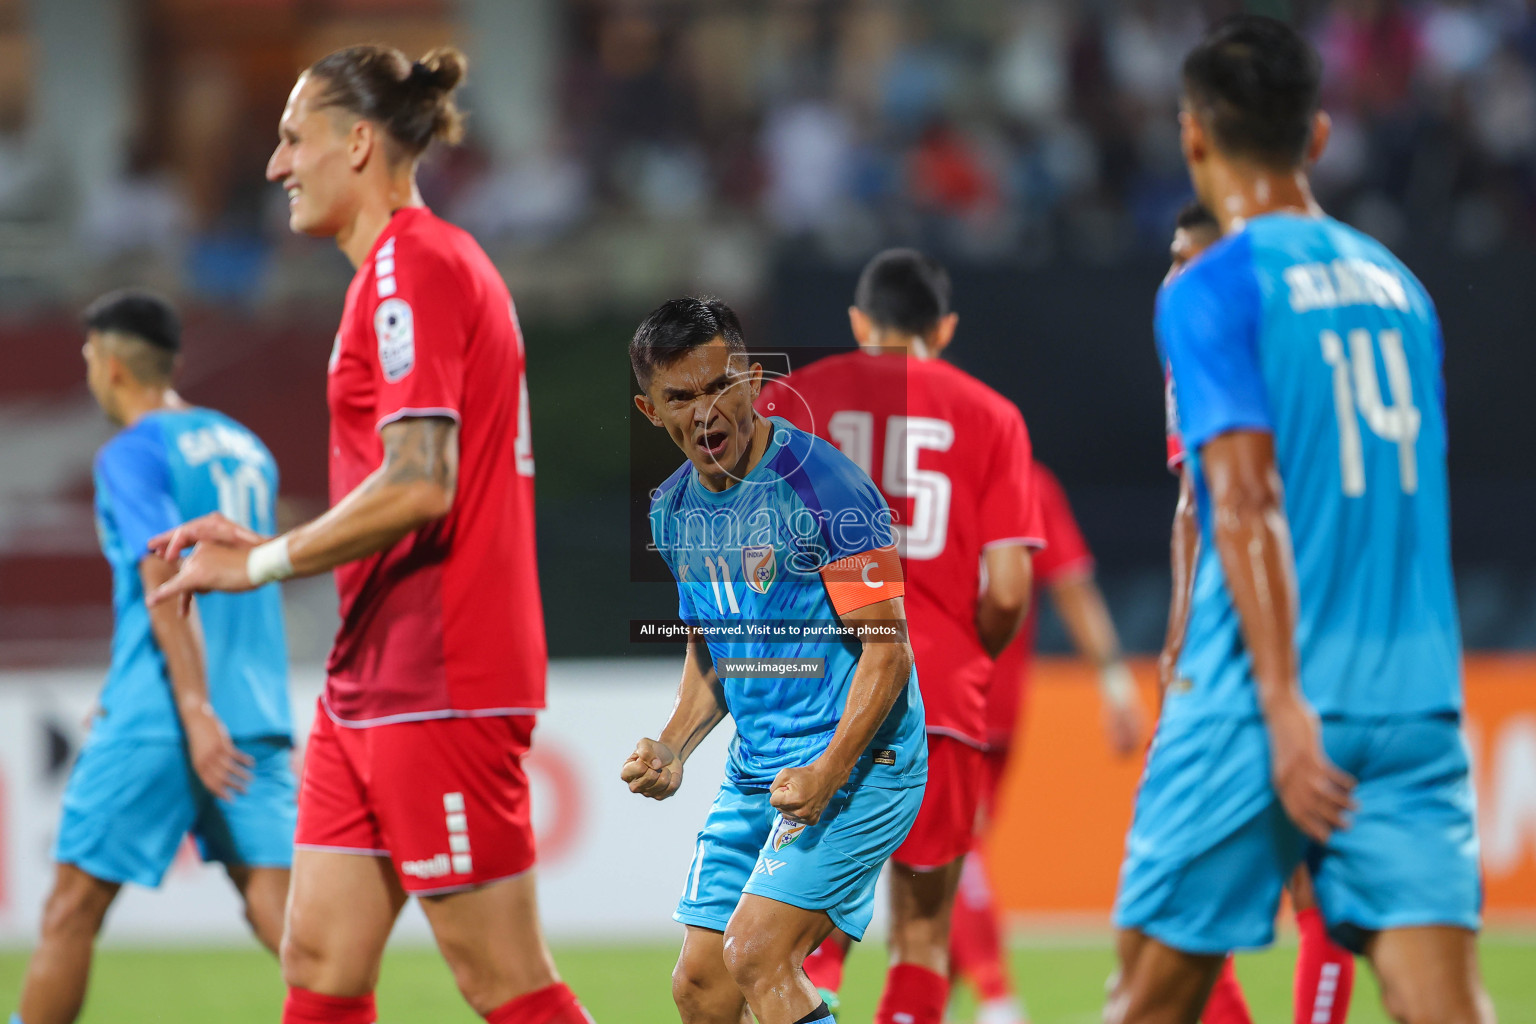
1313,791
1125,724
653,770
213,527
802,794
222,767
212,565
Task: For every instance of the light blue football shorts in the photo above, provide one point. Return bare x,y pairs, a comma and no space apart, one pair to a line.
746,846
128,804
1211,848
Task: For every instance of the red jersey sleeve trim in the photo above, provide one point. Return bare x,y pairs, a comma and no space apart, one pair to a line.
418,414
866,578
1038,543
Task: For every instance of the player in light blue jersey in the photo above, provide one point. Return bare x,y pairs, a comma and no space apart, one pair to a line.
782,549
1315,707
192,732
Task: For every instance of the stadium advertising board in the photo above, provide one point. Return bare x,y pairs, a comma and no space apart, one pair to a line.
612,865
1062,772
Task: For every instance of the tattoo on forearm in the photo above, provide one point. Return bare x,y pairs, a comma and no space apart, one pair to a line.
422,449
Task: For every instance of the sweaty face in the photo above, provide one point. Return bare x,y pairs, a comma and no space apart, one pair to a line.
311,162
704,400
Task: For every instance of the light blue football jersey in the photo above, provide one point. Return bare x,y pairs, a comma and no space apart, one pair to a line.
1305,328
748,559
167,468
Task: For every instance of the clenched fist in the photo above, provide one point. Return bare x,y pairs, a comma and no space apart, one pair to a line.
802,794
653,770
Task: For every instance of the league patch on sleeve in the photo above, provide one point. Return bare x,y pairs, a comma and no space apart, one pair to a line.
395,327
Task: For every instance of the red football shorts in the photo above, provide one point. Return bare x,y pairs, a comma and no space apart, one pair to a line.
445,799
947,819
996,768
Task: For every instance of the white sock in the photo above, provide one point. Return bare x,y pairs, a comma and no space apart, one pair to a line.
1007,1010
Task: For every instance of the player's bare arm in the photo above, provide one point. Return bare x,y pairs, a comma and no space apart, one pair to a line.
1254,541
413,486
1004,602
655,769
885,665
220,765
1080,603
1183,550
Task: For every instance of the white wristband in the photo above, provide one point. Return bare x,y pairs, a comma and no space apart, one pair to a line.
269,562
1117,683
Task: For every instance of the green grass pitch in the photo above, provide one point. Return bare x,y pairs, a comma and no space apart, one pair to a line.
629,984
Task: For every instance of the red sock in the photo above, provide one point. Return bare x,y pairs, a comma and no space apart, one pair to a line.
552,1004
1325,973
825,965
913,995
975,940
1226,1005
305,1007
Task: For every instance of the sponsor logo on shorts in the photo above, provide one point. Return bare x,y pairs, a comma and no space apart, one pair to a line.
432,867
457,860
767,866
785,832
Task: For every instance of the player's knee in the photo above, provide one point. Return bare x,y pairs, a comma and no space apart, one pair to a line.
77,904
1439,1007
749,962
697,989
303,959
266,923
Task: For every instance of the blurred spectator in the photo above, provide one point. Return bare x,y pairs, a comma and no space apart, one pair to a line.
947,176
142,211
1000,130
808,151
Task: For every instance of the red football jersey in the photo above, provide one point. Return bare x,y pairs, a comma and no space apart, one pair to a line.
447,622
1171,422
952,458
1066,554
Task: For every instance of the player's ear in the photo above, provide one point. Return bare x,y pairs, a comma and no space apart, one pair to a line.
1322,131
943,332
755,375
861,325
1192,138
117,370
647,409
361,140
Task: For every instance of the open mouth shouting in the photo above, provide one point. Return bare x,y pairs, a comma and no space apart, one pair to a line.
713,442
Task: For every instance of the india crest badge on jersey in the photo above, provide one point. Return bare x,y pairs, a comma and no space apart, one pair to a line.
759,566
784,833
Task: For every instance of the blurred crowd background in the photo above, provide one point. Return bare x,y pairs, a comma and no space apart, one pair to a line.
625,150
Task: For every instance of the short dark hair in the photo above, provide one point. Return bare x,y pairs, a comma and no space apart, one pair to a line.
139,314
147,319
1195,215
1257,81
904,290
678,325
